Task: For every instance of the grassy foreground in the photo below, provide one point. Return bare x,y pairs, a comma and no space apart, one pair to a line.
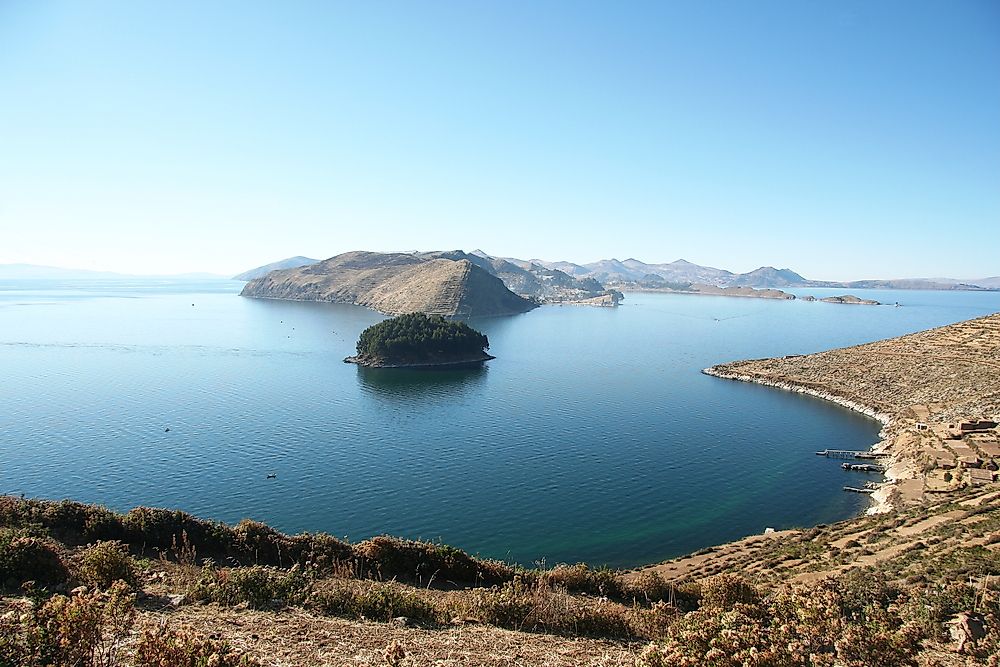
87,586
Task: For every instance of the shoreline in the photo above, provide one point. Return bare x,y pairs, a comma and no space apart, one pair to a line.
936,393
880,500
434,364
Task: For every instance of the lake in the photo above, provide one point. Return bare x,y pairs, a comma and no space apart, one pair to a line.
592,437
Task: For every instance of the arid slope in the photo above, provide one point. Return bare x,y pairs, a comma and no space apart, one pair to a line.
394,284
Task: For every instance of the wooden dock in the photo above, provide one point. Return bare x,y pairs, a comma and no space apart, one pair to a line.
849,454
863,467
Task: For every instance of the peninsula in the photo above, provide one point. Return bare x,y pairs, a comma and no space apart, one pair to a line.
418,341
937,392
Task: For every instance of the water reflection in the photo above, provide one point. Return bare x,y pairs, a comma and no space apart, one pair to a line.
408,384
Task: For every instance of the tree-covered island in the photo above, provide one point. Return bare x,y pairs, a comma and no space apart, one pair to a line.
416,339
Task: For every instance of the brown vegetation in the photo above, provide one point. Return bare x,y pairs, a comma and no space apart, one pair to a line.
876,590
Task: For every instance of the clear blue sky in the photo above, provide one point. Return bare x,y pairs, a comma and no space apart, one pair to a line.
842,139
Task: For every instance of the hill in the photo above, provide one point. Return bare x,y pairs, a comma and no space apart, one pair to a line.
290,263
394,283
530,280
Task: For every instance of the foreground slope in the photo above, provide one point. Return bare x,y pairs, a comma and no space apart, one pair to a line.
394,284
887,590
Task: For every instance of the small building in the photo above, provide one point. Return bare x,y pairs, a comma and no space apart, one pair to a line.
978,477
969,462
990,448
976,425
921,426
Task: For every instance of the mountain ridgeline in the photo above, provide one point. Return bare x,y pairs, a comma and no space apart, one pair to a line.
416,339
602,282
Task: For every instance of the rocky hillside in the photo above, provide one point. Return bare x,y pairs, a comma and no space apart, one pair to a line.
290,263
531,280
394,283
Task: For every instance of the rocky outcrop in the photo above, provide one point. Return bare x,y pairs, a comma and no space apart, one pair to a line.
394,283
850,298
533,281
652,284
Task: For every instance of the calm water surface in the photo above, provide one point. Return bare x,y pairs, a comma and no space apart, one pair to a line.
593,436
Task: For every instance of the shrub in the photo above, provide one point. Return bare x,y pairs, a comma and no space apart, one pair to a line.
424,563
162,646
86,630
580,578
520,605
373,600
258,586
24,559
726,590
107,562
650,587
793,626
506,606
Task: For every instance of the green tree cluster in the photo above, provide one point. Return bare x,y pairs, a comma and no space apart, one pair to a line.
418,337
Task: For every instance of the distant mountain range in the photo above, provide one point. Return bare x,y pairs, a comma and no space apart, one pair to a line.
548,280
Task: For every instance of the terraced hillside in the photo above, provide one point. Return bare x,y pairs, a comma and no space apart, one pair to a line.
394,284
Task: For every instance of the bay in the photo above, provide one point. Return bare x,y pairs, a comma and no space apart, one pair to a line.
592,437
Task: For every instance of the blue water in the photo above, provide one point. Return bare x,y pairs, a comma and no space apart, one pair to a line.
592,437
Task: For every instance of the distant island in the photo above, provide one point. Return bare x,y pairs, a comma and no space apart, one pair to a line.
602,283
417,340
451,283
394,284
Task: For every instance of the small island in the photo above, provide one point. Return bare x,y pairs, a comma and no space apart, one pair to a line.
417,340
850,299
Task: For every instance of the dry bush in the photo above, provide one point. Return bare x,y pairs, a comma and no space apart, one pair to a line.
582,579
425,563
163,646
258,587
24,559
107,562
649,586
537,607
373,600
726,590
793,626
87,630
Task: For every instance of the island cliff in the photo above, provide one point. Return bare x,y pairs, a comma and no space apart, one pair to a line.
394,283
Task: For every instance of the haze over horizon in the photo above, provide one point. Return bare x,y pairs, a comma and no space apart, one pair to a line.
846,141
